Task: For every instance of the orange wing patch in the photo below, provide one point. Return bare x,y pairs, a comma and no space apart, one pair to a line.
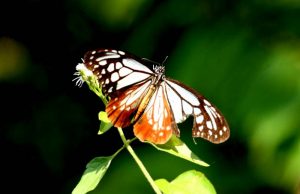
121,109
157,123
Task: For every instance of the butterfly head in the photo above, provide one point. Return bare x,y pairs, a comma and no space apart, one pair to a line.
159,71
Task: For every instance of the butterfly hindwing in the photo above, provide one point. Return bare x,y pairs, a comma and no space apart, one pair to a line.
122,107
209,123
157,123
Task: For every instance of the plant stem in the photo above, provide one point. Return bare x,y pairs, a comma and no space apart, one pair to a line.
139,162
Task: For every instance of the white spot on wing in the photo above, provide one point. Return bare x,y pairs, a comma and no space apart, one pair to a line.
131,79
133,64
111,67
206,102
197,111
200,128
114,77
221,132
118,65
103,62
199,119
111,56
121,52
209,125
124,71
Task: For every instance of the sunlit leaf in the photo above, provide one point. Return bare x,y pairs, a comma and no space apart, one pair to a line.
105,124
178,148
94,172
189,182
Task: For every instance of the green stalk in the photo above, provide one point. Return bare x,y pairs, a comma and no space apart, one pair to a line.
139,162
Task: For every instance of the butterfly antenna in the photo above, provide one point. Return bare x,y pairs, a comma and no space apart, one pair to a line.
148,60
165,60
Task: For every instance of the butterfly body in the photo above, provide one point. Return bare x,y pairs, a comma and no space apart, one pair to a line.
149,101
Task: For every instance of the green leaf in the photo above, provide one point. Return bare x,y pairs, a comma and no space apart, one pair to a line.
94,172
189,182
105,124
178,148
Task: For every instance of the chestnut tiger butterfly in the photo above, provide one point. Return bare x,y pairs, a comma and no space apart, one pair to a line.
153,103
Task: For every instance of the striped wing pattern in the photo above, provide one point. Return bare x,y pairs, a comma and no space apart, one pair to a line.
209,123
122,108
151,102
116,70
157,123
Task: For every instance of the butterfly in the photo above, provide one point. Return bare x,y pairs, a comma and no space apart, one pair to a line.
145,98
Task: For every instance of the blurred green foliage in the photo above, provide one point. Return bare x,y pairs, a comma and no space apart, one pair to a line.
14,54
242,55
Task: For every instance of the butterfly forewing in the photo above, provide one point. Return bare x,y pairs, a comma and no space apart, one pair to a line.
116,69
209,123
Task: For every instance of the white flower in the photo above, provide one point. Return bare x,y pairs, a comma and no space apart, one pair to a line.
82,74
82,68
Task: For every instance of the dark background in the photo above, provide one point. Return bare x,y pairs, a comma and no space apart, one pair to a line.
242,55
